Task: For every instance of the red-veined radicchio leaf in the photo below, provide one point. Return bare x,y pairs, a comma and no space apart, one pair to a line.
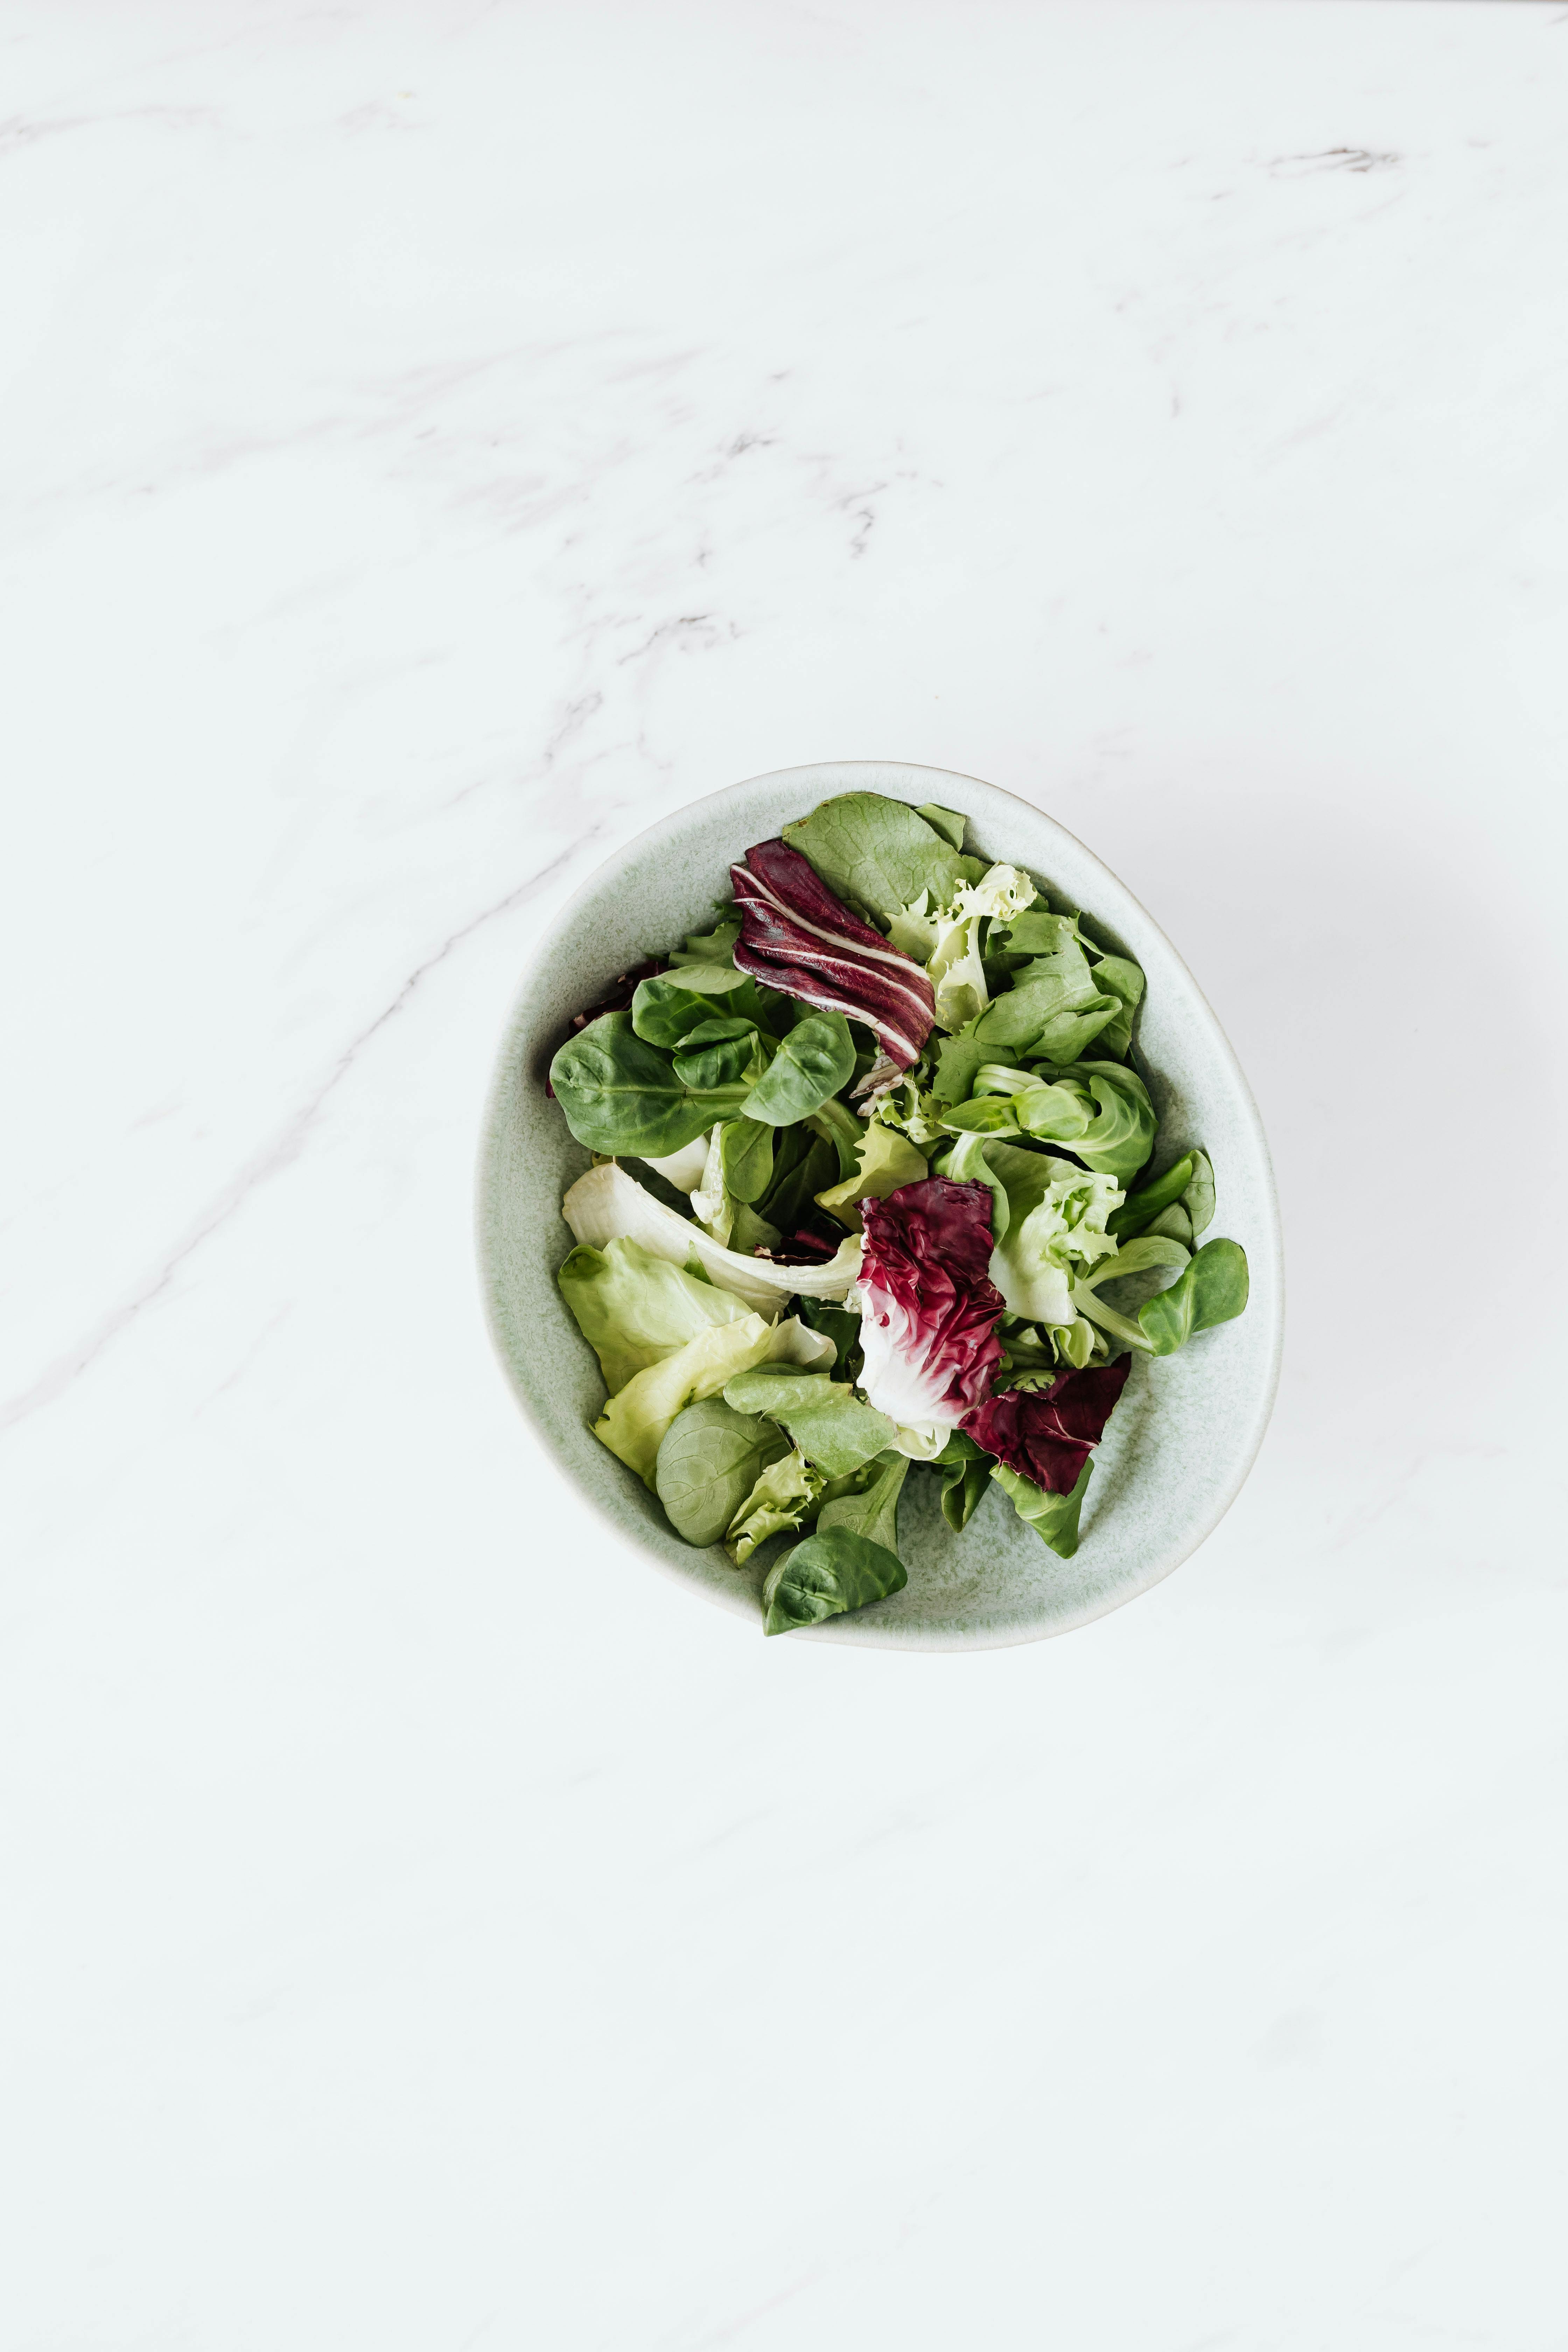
798,936
929,1308
1046,1435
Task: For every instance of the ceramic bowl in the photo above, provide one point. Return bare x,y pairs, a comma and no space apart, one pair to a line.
1188,1426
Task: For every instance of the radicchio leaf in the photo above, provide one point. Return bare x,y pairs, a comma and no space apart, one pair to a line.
1045,1435
929,1308
799,938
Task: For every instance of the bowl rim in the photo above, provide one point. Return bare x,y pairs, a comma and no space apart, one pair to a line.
486,1185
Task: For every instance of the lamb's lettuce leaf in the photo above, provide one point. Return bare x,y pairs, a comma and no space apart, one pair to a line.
635,1309
715,947
708,1463
873,1510
965,1475
830,1573
1100,1111
1213,1289
879,853
1116,976
1054,1518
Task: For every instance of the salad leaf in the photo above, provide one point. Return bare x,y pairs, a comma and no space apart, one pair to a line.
1100,1111
958,1061
839,1324
633,1422
1054,1518
1212,1290
782,1499
635,1308
828,1422
880,853
1046,1435
874,1511
885,1161
1115,976
746,1158
954,964
1140,1209
665,1008
708,1463
620,1095
1049,1217
814,1060
965,1475
928,1310
1150,1250
716,947
717,1054
838,1124
805,942
947,822
1053,1008
802,1164
607,1201
826,1575
682,1169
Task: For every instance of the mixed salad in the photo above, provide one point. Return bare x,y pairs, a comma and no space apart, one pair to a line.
866,1198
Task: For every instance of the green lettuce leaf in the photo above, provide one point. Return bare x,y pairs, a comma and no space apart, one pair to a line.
780,1501
633,1424
947,822
885,1161
826,1575
635,1309
829,1423
877,852
709,1461
1048,1221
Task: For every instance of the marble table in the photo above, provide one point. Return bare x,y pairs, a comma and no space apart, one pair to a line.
439,438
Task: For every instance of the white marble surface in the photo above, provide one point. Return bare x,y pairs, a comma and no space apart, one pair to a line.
439,437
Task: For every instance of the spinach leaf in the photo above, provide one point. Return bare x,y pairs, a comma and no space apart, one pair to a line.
1212,1290
838,1124
826,1420
746,1157
826,1575
879,852
716,1054
814,1061
874,1511
1054,1518
666,1008
708,1463
947,822
784,1499
620,1095
803,1165
965,1474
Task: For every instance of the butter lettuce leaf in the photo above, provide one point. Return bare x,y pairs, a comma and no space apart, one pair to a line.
635,1309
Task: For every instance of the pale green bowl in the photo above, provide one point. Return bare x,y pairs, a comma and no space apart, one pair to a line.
1188,1426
